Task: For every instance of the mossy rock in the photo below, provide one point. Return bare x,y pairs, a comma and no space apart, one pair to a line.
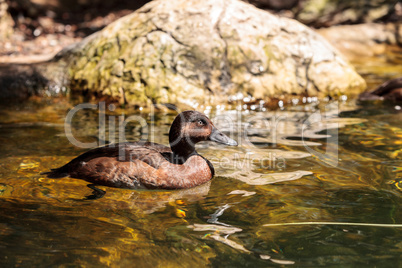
196,52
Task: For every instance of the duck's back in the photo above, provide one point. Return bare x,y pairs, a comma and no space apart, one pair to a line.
116,165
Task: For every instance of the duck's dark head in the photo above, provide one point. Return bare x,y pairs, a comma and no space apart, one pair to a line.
191,127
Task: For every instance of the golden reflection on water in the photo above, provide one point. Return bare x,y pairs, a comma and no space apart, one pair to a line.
270,178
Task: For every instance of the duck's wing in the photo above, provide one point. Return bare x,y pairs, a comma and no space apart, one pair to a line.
147,152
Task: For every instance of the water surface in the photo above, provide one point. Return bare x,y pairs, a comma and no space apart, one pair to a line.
346,168
334,168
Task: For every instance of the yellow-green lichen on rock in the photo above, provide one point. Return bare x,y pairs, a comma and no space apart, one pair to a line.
197,52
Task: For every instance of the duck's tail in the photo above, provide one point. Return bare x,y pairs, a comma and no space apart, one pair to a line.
57,173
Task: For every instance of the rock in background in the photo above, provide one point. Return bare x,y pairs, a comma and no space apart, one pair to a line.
363,40
325,13
6,22
192,52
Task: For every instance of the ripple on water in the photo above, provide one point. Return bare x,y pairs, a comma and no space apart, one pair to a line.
286,169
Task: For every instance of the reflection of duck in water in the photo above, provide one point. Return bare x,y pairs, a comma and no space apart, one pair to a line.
390,90
151,165
147,202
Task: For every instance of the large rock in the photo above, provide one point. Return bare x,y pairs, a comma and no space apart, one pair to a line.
192,52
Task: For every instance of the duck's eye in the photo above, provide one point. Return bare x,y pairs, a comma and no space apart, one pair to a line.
200,122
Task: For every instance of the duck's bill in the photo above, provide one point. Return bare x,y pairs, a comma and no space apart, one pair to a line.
219,137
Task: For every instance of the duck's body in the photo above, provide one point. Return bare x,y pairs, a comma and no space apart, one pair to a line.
390,90
150,165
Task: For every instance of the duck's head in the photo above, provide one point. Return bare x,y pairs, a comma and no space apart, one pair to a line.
191,127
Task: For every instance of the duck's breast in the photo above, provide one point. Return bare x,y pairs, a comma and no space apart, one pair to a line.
195,171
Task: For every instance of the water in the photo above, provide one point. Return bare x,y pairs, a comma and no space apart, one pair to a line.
340,182
348,172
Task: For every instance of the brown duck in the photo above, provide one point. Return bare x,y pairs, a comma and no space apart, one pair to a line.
390,90
150,165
